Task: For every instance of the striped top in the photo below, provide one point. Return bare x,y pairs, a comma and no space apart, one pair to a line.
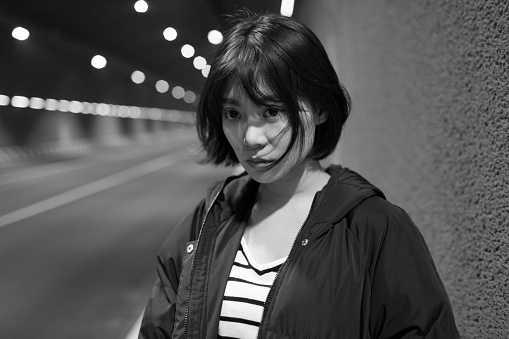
245,294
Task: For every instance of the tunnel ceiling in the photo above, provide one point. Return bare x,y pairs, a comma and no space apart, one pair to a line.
65,34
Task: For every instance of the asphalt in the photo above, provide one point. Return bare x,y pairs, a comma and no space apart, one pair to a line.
78,237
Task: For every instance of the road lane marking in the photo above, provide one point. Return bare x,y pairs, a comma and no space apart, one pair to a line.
39,172
94,187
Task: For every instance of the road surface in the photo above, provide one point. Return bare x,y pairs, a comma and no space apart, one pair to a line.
78,238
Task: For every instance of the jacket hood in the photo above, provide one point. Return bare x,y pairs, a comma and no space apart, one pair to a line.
343,192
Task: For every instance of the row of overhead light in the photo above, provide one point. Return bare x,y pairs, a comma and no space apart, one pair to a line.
101,109
138,77
170,34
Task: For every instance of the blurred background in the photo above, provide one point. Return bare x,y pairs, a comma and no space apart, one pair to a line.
99,156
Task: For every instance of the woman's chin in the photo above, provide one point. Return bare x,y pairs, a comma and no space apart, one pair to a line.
266,175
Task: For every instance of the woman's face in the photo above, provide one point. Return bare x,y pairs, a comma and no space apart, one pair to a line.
259,135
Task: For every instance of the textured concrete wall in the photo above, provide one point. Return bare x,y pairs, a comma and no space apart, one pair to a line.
430,88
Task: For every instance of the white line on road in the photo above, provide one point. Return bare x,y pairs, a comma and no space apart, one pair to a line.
94,187
39,172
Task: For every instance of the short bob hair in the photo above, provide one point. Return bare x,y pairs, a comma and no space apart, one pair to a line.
292,62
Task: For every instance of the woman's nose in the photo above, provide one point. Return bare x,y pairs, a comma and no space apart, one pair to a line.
255,136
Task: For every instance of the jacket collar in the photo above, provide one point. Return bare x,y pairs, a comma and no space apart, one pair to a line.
343,192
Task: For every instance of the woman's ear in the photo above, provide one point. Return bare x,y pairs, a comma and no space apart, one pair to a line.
323,115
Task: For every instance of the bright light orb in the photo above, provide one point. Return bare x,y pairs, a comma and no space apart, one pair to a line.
170,34
4,100
162,86
103,109
215,37
189,97
76,106
20,101
205,71
138,77
199,62
178,92
63,105
155,114
88,108
135,112
187,51
98,61
141,6
51,105
287,7
37,103
20,33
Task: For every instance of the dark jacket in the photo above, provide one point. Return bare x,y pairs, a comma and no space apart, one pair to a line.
359,268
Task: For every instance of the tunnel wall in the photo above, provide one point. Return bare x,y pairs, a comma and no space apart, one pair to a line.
39,135
429,126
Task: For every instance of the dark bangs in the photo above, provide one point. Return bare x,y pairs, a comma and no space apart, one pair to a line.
268,69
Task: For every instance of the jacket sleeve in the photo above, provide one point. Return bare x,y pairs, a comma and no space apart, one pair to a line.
159,314
408,298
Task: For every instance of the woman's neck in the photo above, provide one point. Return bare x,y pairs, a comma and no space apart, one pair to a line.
303,181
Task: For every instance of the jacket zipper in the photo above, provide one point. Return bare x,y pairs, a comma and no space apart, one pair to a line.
271,291
192,263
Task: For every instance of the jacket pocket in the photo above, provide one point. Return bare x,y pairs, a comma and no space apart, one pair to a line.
183,290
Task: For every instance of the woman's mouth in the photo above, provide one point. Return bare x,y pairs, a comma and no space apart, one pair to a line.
259,163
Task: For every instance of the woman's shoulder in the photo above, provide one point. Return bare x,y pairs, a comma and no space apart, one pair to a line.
377,208
376,219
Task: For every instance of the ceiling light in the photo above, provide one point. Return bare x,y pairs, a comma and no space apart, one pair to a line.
135,112
173,115
170,34
155,114
63,105
187,51
113,111
215,37
76,106
199,62
36,103
189,97
20,33
20,101
287,7
162,86
4,100
205,71
51,104
103,109
141,6
88,107
138,77
178,92
98,61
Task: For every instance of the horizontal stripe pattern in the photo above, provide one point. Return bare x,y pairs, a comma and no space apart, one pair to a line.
246,291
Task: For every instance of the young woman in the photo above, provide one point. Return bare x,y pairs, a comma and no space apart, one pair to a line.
289,249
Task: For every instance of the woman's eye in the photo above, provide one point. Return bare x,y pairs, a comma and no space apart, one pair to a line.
273,112
231,114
